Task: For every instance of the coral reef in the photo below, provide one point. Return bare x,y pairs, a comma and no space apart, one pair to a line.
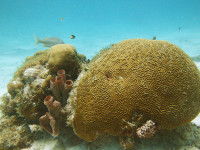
135,90
14,87
148,79
31,81
8,106
30,99
26,95
27,91
14,134
82,58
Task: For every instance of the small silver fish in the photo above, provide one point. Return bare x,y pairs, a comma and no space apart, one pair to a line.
48,41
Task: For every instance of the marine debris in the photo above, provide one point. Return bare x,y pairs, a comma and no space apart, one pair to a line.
136,94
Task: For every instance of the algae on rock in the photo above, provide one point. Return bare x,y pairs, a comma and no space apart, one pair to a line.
14,134
24,103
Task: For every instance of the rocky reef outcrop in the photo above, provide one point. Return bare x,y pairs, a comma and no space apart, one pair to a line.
35,83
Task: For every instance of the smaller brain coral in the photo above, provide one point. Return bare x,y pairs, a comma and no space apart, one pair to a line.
63,56
135,81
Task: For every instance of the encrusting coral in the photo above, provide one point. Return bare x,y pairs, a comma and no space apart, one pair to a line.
137,78
14,87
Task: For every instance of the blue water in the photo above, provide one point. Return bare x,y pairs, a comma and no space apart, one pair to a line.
95,23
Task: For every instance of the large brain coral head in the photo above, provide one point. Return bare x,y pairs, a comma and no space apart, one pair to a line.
152,79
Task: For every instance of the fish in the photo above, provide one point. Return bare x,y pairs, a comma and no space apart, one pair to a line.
62,19
72,36
154,38
48,41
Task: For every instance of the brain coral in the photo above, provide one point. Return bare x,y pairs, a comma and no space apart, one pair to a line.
155,79
63,56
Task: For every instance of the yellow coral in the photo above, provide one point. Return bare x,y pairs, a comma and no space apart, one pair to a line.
63,56
155,79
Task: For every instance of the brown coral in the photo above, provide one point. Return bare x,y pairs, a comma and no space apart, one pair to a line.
64,56
14,87
149,77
